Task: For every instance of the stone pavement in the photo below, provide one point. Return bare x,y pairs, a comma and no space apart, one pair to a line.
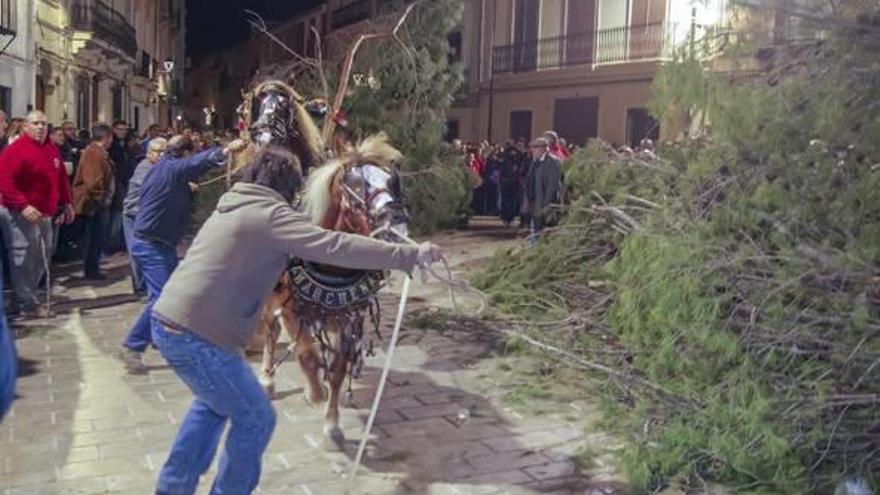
83,426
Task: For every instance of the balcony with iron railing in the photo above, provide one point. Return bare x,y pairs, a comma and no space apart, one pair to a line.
107,24
605,46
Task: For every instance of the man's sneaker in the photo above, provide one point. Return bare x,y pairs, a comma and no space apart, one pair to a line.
134,361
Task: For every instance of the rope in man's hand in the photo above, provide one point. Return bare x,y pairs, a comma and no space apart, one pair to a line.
427,268
232,148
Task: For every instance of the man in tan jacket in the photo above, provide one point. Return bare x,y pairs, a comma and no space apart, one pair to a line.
93,189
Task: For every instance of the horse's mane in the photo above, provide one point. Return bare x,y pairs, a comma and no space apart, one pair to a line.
375,150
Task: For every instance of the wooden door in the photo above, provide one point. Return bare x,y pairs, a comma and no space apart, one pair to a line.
521,124
577,119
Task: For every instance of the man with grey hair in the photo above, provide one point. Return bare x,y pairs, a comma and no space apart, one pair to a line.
542,183
154,150
33,183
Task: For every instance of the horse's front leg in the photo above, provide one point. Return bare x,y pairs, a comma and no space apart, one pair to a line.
336,372
310,363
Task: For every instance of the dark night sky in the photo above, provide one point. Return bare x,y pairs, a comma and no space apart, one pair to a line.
212,25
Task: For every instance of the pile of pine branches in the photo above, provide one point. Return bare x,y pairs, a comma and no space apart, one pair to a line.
737,273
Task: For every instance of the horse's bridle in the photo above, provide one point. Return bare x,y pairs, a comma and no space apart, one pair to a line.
363,187
275,118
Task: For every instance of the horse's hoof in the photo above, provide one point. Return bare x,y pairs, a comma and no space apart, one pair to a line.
334,439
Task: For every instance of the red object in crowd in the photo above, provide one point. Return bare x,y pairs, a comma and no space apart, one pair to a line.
559,152
33,173
478,165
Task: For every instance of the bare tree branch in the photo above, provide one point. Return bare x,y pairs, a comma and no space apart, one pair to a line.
260,25
345,73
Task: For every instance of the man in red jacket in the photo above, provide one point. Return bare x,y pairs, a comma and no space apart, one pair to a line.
34,189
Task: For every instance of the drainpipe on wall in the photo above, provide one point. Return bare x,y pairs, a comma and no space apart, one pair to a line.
491,77
31,56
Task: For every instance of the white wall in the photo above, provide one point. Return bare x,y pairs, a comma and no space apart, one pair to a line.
17,66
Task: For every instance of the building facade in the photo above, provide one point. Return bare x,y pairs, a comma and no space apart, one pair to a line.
96,60
581,67
17,67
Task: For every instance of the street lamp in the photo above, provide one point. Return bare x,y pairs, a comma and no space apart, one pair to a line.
169,65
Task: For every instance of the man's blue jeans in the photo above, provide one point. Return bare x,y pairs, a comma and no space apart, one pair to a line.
8,360
157,261
225,387
137,278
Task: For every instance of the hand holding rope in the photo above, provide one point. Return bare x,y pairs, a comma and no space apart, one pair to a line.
448,280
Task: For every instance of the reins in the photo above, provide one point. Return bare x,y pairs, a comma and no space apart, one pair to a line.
448,280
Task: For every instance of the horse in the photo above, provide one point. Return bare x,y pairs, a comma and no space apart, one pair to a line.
323,309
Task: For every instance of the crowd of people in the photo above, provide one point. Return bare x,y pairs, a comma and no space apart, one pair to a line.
69,194
518,179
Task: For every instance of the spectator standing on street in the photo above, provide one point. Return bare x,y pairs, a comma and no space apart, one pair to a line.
130,207
72,146
34,188
543,181
151,133
509,183
13,130
93,190
491,179
120,156
69,236
559,152
476,165
57,137
164,209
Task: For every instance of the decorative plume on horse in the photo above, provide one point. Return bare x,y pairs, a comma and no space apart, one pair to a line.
327,311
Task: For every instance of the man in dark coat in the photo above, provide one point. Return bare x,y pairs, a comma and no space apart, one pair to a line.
510,184
543,182
122,171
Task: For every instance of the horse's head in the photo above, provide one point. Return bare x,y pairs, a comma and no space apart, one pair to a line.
378,191
360,191
281,120
273,109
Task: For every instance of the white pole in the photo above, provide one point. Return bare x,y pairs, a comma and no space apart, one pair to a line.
47,264
404,295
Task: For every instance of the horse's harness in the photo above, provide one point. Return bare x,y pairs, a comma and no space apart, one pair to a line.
328,297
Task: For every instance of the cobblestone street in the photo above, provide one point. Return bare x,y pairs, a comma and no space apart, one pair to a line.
81,425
